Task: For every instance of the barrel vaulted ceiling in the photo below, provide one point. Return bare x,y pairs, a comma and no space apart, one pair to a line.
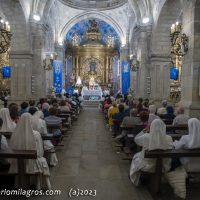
122,15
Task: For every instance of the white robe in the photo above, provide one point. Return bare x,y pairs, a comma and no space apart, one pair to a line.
191,141
146,141
4,144
8,125
40,126
24,138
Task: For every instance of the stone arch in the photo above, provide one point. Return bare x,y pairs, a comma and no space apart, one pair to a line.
14,13
93,14
135,9
169,14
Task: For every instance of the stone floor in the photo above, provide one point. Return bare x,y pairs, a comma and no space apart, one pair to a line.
88,161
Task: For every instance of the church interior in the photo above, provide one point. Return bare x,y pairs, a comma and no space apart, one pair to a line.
100,99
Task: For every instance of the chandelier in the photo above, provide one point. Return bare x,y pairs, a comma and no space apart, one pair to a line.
179,40
5,36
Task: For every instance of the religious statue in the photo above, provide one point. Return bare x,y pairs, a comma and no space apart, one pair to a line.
72,78
92,68
76,40
111,76
91,83
93,26
110,41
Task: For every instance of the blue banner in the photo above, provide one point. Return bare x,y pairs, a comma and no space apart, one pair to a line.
57,75
70,90
115,69
69,69
125,77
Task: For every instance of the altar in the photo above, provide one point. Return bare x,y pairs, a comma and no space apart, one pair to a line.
91,95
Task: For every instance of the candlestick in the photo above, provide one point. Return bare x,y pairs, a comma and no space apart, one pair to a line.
172,28
8,28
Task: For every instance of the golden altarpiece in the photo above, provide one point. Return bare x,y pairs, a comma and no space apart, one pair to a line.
4,82
93,60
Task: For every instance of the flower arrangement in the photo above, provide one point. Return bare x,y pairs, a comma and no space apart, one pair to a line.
51,90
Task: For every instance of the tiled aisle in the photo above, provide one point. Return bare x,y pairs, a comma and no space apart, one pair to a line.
88,161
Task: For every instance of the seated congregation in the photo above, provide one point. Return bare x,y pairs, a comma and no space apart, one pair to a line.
157,141
34,130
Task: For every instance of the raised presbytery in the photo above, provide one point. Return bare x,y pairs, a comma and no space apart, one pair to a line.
100,99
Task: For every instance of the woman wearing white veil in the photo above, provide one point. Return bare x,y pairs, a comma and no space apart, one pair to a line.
156,139
190,141
177,178
25,138
39,125
8,125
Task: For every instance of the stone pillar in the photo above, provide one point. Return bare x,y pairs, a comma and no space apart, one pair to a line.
160,78
143,71
107,69
77,65
190,82
21,63
38,33
74,67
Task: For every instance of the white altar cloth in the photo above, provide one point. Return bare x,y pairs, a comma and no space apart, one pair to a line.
91,95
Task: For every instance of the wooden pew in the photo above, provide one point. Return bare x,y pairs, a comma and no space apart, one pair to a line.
6,134
174,128
20,155
71,113
132,130
44,137
169,128
65,117
51,128
159,155
132,127
167,121
135,129
116,126
47,137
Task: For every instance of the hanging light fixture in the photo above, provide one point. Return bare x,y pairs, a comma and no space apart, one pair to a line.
145,20
36,17
5,36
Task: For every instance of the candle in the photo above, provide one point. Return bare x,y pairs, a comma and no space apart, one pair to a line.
172,28
1,24
8,27
4,25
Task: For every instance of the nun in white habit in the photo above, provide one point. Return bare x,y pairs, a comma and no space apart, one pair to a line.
8,125
39,125
190,141
156,139
25,138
